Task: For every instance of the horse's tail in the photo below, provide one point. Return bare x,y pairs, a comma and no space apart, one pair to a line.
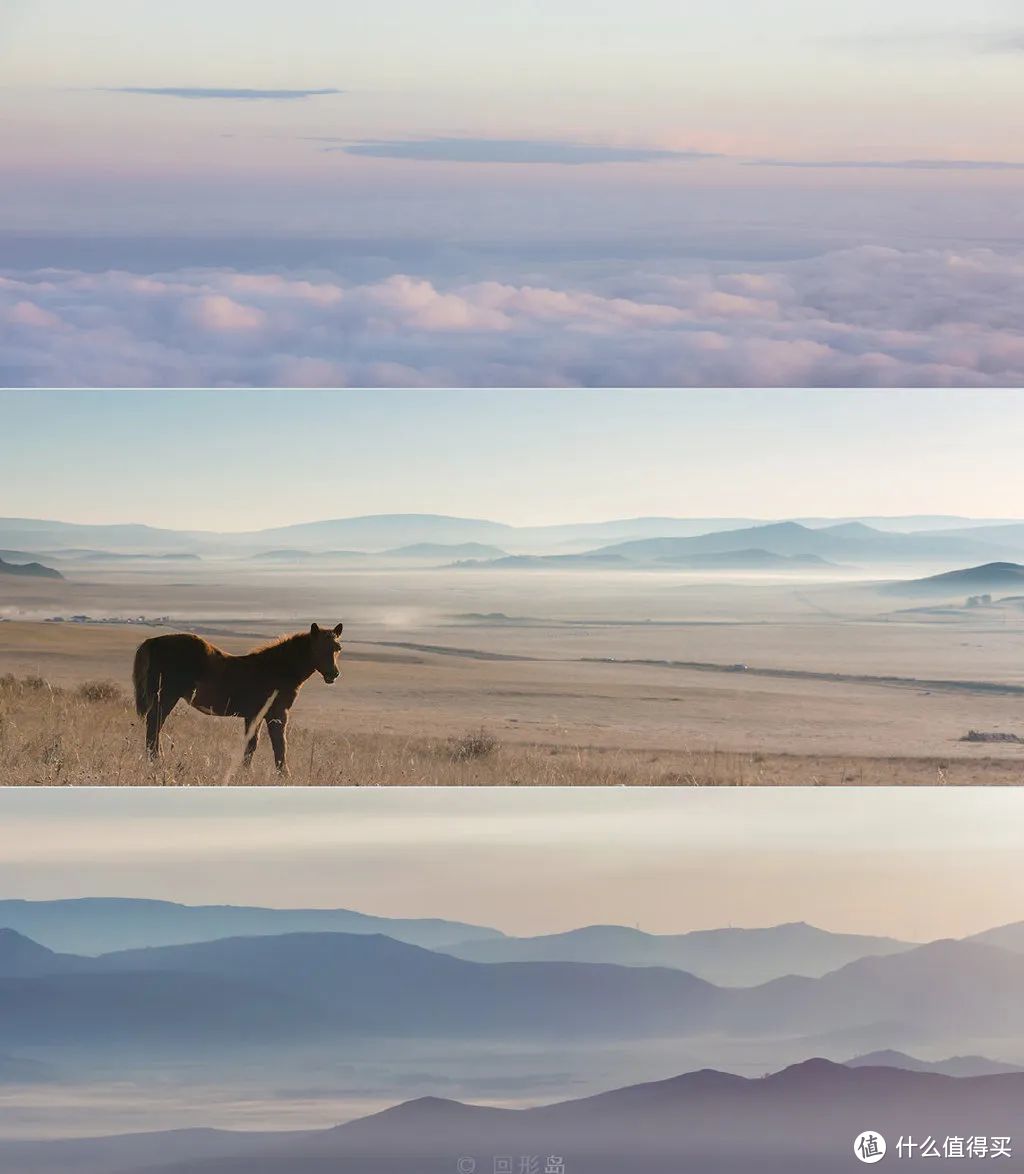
143,679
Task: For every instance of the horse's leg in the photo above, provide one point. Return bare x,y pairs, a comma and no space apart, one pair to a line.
158,712
277,728
252,730
154,720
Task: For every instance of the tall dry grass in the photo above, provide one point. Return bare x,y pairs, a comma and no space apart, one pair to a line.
90,736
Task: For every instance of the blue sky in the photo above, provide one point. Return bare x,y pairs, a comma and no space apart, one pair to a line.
200,460
641,163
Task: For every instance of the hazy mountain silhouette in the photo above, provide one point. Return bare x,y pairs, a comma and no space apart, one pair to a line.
953,1066
804,1118
932,988
845,539
542,562
20,956
1004,533
96,925
458,550
38,533
386,531
1006,937
297,556
848,541
29,570
371,984
726,957
990,577
729,560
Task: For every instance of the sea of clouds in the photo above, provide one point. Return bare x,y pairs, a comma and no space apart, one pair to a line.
863,316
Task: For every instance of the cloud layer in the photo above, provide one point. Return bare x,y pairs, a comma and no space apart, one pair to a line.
219,92
859,317
468,150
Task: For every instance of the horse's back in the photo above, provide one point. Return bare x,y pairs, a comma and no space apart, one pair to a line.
180,652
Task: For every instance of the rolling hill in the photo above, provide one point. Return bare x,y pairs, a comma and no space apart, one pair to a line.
990,578
29,570
804,1119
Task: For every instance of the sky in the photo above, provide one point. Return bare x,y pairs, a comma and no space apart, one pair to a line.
458,194
244,460
917,863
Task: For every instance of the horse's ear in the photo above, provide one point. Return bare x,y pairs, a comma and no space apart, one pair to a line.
338,629
313,629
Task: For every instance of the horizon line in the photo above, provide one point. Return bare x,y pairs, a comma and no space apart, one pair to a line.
479,925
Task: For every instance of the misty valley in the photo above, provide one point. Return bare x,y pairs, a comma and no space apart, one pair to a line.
140,1035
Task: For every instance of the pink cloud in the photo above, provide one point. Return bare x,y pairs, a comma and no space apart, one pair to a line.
858,317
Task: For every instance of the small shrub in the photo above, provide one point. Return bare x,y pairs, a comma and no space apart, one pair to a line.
23,686
985,736
476,744
100,691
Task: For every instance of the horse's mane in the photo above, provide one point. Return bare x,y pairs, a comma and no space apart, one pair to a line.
290,638
284,650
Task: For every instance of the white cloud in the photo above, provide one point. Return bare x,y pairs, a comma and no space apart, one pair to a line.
859,317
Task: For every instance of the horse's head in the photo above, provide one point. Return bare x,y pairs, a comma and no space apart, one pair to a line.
326,646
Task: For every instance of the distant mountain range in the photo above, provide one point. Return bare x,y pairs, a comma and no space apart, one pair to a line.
234,986
453,538
732,956
805,1118
958,1066
851,541
730,560
98,925
317,986
726,957
321,985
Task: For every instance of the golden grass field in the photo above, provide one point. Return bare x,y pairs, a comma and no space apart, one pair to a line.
609,680
89,735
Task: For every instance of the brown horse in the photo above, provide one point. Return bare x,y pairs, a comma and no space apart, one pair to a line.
262,684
